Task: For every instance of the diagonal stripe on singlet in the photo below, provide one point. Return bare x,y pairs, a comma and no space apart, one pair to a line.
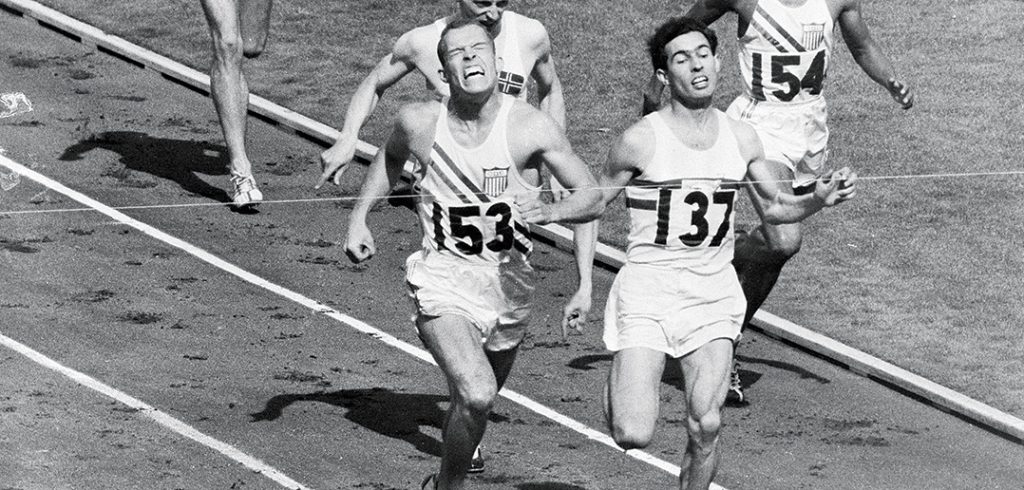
446,162
790,39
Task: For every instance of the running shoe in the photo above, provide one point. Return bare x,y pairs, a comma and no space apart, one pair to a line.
246,194
476,465
735,394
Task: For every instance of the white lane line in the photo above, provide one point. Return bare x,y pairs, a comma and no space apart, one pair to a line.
321,308
149,411
941,397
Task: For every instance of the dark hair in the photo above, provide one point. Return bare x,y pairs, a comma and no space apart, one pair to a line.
458,24
671,29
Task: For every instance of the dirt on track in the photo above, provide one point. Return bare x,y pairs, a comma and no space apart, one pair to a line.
328,406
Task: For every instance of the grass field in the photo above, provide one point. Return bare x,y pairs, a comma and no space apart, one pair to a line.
921,271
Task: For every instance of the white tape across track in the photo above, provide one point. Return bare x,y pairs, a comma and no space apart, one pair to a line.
316,306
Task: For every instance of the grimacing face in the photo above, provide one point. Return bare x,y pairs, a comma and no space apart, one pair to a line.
692,68
469,63
487,12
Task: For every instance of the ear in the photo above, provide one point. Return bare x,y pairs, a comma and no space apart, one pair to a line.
718,63
662,76
443,75
499,63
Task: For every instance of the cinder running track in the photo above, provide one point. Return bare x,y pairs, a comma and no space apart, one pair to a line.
259,378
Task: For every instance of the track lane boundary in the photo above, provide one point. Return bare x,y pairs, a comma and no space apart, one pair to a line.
318,307
859,362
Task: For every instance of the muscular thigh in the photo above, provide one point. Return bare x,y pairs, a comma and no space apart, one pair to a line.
634,384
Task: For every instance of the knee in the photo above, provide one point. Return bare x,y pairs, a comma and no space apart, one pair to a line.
704,430
227,50
251,48
477,401
631,436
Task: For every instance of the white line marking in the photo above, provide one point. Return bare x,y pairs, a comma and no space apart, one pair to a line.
153,413
326,310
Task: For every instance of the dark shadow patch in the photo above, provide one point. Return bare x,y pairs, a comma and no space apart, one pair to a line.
80,74
93,296
139,317
19,61
785,366
394,415
18,247
176,160
586,363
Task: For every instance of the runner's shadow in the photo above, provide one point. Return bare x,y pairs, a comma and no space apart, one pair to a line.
395,415
785,366
176,160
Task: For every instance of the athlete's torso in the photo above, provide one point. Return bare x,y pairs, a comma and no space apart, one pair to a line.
681,204
785,51
467,208
515,68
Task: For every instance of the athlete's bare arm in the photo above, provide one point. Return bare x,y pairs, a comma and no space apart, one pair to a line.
783,206
549,87
392,68
628,156
867,53
540,141
413,129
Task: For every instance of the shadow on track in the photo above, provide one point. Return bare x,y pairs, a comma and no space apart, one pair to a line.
395,415
176,160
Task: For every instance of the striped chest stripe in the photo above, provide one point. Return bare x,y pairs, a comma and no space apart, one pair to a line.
762,21
450,173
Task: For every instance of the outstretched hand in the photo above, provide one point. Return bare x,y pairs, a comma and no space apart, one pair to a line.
900,92
334,161
574,315
534,211
359,244
836,187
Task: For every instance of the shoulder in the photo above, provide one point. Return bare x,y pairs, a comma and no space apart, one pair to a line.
415,42
840,7
418,116
527,118
746,137
531,31
634,148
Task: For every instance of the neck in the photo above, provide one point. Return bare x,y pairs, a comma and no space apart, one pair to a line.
472,107
697,111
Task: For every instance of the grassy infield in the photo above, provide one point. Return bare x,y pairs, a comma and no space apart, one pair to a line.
922,272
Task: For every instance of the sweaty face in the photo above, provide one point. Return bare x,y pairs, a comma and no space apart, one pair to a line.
692,72
487,12
469,64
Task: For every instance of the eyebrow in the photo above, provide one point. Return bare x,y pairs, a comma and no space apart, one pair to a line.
689,52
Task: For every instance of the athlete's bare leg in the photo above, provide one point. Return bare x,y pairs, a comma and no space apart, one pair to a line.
761,253
631,398
255,19
472,385
706,377
227,82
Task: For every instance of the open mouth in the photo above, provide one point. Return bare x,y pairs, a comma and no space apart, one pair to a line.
473,71
700,82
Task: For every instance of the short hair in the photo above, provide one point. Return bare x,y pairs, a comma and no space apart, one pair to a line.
458,24
671,29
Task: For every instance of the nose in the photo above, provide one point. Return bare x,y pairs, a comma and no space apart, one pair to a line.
697,64
492,14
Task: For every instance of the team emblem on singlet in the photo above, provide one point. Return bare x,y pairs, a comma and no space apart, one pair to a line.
495,181
814,34
510,83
